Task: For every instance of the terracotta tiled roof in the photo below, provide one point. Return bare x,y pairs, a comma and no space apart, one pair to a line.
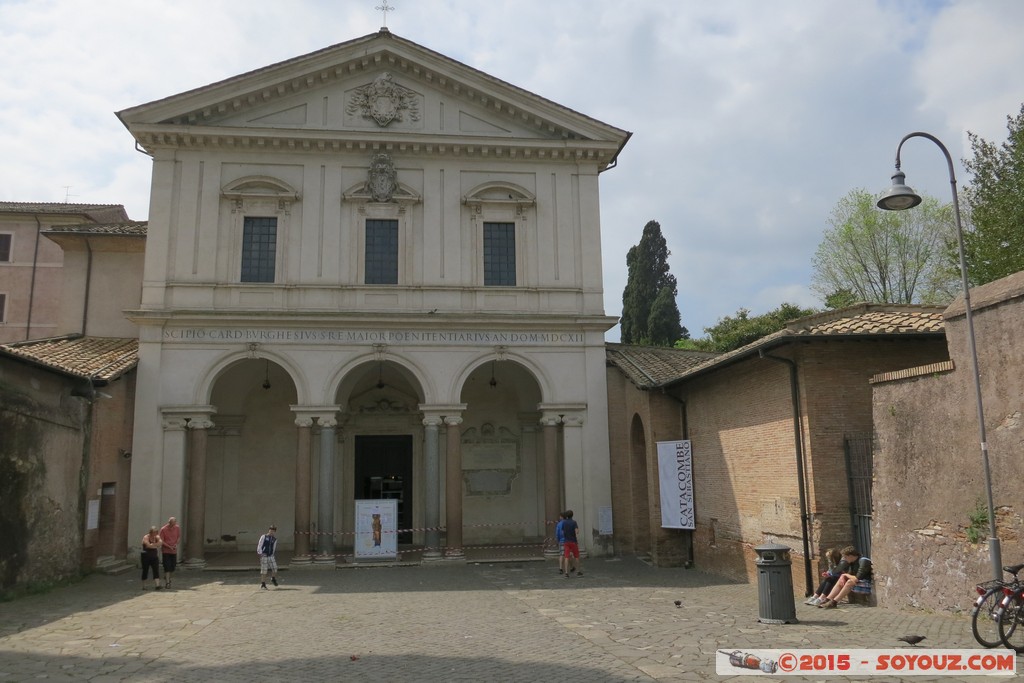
872,319
102,358
650,366
860,320
53,207
121,228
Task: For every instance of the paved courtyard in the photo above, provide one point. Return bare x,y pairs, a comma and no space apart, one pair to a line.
515,621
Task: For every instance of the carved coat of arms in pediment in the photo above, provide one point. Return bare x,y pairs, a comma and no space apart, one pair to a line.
383,179
384,101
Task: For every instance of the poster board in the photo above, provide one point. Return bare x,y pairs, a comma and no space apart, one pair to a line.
675,482
376,529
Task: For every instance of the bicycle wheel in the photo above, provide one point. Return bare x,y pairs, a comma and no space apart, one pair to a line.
984,617
1011,624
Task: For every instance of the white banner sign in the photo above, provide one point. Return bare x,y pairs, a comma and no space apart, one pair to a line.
675,476
376,527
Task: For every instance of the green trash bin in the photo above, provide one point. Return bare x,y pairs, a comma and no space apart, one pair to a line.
775,585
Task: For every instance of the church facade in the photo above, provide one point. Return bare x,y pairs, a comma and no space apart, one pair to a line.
371,271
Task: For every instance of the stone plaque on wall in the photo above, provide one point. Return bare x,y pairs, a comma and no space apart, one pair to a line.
490,460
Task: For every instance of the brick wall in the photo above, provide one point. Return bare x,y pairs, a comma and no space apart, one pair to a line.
637,421
740,420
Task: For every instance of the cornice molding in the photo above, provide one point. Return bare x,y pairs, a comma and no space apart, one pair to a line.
156,137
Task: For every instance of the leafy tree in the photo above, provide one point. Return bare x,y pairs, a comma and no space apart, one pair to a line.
994,248
650,314
885,256
841,298
732,332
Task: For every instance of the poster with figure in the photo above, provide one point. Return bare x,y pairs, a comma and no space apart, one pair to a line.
675,482
376,529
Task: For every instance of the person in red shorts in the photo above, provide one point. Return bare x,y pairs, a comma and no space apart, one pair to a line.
572,546
170,535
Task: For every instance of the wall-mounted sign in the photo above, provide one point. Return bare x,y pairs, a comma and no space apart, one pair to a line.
376,529
675,478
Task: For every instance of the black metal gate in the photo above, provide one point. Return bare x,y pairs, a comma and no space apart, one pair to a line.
859,466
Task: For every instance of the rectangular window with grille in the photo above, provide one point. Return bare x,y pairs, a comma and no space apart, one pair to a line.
3,308
500,254
259,249
5,247
381,252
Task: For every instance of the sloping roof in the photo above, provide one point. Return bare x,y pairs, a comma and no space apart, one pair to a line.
107,211
862,320
98,358
651,366
129,228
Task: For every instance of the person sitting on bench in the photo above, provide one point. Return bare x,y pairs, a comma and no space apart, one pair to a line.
856,578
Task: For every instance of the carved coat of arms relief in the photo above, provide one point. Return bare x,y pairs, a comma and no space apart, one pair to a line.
382,180
384,101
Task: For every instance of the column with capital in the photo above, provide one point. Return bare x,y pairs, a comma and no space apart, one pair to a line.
325,492
169,488
552,487
195,517
575,477
453,490
432,486
303,457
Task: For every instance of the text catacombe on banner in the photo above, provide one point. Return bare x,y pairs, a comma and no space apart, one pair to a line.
675,476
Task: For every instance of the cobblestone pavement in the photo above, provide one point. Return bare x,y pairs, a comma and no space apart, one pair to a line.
476,622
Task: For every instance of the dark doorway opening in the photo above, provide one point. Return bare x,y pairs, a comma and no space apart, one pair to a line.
859,476
383,469
108,508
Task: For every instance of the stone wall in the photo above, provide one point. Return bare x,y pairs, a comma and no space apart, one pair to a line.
929,478
43,430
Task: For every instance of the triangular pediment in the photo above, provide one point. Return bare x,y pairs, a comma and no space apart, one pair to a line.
377,86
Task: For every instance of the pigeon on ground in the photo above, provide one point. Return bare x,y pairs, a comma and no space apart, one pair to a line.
912,640
679,603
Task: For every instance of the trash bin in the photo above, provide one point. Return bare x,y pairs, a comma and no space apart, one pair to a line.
775,585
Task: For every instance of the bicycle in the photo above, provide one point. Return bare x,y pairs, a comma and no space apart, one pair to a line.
1011,617
985,615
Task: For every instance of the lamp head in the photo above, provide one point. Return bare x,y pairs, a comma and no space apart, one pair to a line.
900,196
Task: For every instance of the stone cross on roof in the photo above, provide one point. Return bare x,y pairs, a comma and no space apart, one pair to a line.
385,8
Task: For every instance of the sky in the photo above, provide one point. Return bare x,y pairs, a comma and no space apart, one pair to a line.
750,119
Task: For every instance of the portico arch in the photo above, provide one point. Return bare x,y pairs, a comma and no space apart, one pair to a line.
204,387
251,454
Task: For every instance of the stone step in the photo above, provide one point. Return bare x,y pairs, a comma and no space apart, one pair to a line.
113,566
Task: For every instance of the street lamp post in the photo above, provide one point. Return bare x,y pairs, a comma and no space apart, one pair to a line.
898,198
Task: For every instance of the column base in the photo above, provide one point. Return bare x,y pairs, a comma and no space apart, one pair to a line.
302,560
454,555
432,556
551,552
324,559
194,563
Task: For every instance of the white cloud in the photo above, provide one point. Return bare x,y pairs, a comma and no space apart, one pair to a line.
750,119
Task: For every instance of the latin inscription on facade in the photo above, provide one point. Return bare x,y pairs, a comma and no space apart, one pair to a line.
424,337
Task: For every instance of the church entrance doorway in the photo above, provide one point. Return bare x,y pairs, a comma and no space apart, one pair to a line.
383,469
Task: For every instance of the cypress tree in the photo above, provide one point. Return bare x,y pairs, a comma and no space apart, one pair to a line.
650,314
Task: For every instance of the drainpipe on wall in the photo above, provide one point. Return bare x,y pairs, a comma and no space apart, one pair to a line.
798,437
32,286
88,282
